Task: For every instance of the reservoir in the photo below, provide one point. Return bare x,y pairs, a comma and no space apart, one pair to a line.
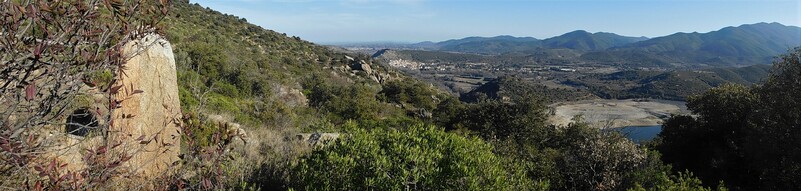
637,119
639,133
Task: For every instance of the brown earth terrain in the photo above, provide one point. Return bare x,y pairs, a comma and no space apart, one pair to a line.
616,113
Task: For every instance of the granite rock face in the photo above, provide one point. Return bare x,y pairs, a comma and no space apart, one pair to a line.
147,118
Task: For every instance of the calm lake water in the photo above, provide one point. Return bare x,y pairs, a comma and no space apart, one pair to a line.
639,133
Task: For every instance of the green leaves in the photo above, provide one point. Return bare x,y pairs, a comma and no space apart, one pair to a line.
745,136
419,157
416,95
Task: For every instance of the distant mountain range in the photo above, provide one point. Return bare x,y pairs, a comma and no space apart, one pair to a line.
754,43
576,40
742,45
583,40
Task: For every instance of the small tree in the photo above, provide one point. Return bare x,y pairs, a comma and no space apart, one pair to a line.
596,160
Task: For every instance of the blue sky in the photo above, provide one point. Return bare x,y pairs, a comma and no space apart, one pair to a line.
337,21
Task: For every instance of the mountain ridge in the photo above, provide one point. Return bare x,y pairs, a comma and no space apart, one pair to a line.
741,45
586,41
576,40
744,44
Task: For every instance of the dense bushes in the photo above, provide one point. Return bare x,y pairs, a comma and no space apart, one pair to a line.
595,160
419,157
355,102
681,181
575,157
417,95
746,137
523,120
509,88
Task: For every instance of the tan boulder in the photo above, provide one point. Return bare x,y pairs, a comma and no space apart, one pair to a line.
290,96
146,121
363,66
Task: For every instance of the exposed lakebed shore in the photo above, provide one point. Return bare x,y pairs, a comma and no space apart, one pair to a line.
617,113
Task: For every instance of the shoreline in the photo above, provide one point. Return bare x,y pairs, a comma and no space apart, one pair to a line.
611,113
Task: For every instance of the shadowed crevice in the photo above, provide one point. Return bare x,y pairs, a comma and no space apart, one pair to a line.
80,122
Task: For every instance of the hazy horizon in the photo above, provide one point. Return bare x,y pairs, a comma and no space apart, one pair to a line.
410,21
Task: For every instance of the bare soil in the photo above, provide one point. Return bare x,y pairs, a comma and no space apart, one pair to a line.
616,113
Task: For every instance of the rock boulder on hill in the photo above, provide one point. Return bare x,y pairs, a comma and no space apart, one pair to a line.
148,107
363,66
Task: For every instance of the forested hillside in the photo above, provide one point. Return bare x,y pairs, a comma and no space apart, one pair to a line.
513,88
585,41
264,78
742,45
671,85
230,66
577,40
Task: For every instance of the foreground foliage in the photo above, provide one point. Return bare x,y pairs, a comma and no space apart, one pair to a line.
747,137
419,157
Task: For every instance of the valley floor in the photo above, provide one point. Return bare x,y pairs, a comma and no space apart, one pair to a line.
616,113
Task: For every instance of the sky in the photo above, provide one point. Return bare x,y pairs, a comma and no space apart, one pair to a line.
406,21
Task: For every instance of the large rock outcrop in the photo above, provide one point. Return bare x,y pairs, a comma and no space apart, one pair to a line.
146,121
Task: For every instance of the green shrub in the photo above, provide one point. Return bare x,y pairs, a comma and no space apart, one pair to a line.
684,181
188,102
356,102
226,89
523,121
594,159
415,94
221,103
419,157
